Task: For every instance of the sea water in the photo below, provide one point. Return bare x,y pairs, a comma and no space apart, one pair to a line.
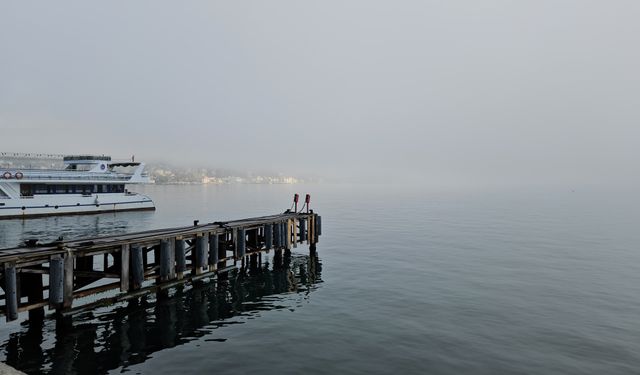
407,280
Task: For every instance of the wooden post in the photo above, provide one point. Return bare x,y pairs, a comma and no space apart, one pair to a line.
276,235
137,267
312,225
252,237
222,252
172,259
234,240
288,236
32,287
318,225
213,251
68,280
241,243
164,261
303,229
124,268
268,236
10,291
56,281
145,257
200,259
181,259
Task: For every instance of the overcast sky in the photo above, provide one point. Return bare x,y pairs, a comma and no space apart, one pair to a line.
459,92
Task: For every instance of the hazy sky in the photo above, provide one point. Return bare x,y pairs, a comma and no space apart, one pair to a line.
443,92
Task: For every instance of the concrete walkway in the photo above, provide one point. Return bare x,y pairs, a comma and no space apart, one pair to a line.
8,370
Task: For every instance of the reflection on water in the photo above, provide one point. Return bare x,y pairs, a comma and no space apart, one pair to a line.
127,334
47,229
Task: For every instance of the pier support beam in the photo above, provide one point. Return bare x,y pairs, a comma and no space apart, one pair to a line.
276,235
222,254
32,287
241,243
137,268
200,258
318,226
181,259
11,291
68,280
165,261
268,236
303,229
311,229
294,228
124,268
56,281
214,245
288,235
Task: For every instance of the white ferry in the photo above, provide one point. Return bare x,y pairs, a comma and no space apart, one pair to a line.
87,184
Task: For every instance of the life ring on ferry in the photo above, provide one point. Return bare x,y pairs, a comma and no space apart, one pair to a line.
19,175
6,175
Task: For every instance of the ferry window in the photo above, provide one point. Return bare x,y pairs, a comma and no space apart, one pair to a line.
84,189
40,189
26,190
3,195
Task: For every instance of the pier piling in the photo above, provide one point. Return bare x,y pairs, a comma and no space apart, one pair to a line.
56,281
181,260
137,268
11,292
125,257
214,244
165,261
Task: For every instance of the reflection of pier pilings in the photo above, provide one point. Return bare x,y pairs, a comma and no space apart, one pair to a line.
132,331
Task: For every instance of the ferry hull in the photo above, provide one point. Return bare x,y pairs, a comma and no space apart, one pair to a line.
41,206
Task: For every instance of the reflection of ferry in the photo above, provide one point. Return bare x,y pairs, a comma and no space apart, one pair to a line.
87,184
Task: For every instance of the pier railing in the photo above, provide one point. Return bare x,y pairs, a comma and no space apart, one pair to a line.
57,276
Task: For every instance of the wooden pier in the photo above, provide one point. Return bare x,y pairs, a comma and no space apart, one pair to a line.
108,269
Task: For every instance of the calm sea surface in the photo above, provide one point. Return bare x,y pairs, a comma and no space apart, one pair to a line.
405,281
